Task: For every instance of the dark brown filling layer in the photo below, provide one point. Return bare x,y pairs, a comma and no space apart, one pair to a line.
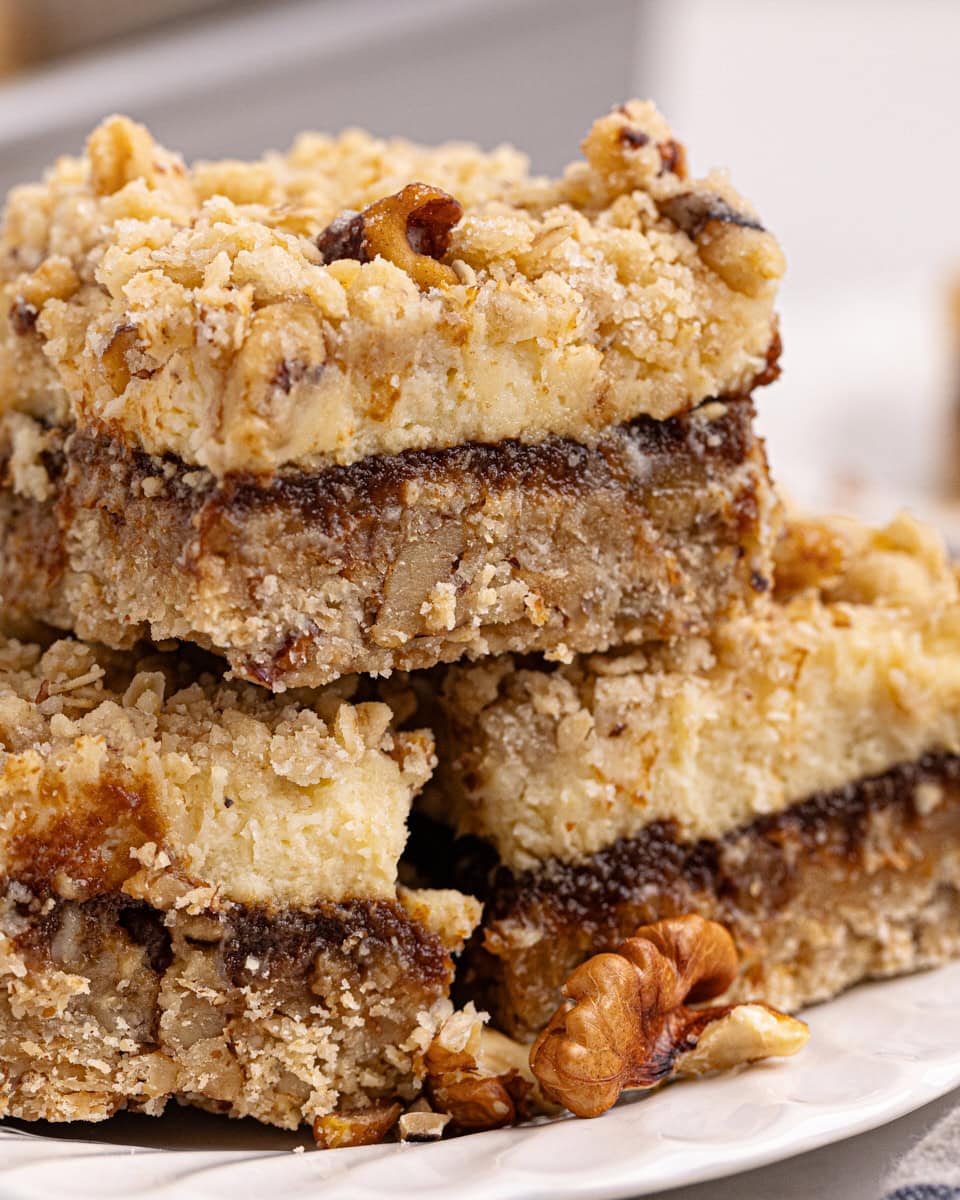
673,452
253,945
586,892
539,924
40,927
287,943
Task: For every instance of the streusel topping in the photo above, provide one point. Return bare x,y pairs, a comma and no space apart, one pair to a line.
356,296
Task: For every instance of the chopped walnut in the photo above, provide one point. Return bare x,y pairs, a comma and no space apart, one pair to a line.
23,316
477,1076
343,238
746,1033
411,229
673,156
363,1127
694,211
630,1024
120,357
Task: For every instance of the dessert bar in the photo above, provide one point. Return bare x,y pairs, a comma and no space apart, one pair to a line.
368,405
200,898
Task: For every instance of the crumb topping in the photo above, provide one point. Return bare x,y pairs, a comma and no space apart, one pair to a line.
356,296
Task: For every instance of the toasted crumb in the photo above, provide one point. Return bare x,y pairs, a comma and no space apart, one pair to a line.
209,312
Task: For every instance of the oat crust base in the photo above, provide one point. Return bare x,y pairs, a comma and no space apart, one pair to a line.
399,562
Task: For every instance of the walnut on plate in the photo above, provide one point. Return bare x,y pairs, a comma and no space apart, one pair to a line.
478,1076
361,1127
631,1023
421,1123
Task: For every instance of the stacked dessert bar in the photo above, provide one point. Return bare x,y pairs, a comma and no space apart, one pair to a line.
793,775
281,439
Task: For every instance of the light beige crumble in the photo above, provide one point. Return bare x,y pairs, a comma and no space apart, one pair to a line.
115,774
853,668
190,311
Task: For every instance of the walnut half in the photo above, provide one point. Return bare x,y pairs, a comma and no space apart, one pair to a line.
630,1024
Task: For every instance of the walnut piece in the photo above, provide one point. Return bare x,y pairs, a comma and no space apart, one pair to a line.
411,229
363,1127
477,1076
23,316
630,1024
343,238
746,1033
117,355
421,1124
733,244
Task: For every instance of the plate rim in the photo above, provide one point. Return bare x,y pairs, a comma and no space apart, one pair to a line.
355,1173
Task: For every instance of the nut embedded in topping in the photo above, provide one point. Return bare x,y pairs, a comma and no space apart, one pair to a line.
630,1024
411,229
343,238
122,357
23,316
733,244
693,211
673,157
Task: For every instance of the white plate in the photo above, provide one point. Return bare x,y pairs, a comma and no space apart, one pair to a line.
876,1053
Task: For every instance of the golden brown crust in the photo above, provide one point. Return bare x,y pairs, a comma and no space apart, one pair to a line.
286,1016
192,311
